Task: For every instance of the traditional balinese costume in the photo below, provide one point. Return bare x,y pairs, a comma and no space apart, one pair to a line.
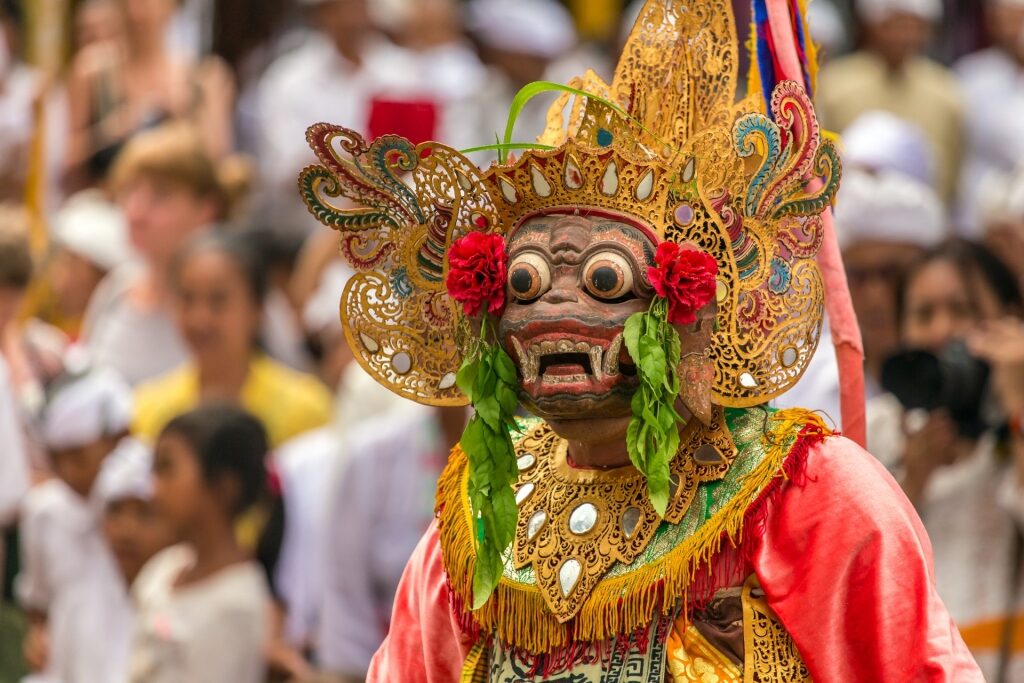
743,543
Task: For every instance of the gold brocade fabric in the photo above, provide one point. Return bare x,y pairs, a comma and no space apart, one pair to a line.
691,658
769,654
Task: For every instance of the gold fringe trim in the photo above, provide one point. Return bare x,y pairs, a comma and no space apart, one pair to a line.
517,613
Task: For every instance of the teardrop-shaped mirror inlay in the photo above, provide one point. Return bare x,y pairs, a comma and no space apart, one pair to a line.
630,520
573,175
536,523
526,461
610,180
540,184
507,191
523,492
673,486
583,519
689,170
747,381
646,186
708,455
369,343
464,182
447,382
569,575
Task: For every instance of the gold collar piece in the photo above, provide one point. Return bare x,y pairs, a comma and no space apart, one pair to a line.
575,524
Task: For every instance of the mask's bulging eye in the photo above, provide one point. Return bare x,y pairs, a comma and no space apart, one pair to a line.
529,276
608,275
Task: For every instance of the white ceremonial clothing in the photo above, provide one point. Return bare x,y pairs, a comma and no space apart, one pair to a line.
308,465
380,503
311,84
211,631
14,476
994,83
60,536
137,344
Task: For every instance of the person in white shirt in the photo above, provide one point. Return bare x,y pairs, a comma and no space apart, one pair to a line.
383,489
84,422
94,620
204,603
993,80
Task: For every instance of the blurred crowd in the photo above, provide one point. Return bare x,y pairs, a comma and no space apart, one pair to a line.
196,482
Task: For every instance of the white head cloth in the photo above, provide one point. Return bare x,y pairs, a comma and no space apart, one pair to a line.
888,206
880,10
85,410
543,28
1001,197
827,26
93,228
126,473
880,141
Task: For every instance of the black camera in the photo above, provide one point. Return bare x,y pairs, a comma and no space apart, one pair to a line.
954,380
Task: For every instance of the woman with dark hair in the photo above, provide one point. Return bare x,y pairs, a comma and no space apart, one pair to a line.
219,286
966,476
203,604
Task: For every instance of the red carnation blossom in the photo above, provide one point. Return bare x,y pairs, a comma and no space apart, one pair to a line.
686,277
476,273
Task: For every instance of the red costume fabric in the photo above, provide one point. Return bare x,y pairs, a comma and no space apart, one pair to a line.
843,560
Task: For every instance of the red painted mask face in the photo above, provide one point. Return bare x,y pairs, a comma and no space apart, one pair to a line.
572,283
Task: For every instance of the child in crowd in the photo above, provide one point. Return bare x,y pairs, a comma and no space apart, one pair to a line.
85,420
203,604
94,639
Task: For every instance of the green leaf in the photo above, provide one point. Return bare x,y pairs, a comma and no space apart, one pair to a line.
498,147
631,335
486,575
474,438
659,496
466,377
531,90
652,361
505,367
489,411
507,399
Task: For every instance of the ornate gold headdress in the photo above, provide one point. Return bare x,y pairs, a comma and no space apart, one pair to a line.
676,153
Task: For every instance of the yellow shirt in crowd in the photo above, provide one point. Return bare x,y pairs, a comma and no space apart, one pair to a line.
286,401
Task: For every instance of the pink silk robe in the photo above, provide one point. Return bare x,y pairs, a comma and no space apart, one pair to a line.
844,562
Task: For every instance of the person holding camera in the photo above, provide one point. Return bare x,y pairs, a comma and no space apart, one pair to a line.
957,392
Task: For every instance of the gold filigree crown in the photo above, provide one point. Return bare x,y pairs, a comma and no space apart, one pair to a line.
664,144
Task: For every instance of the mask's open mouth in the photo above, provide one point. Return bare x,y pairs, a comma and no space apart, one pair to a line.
569,363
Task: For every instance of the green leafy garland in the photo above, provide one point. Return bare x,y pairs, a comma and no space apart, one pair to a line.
488,378
652,438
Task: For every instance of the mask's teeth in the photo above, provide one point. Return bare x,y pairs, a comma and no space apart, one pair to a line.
611,356
517,345
595,361
527,361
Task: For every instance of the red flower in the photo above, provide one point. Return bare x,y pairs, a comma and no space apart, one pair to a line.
476,273
686,277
